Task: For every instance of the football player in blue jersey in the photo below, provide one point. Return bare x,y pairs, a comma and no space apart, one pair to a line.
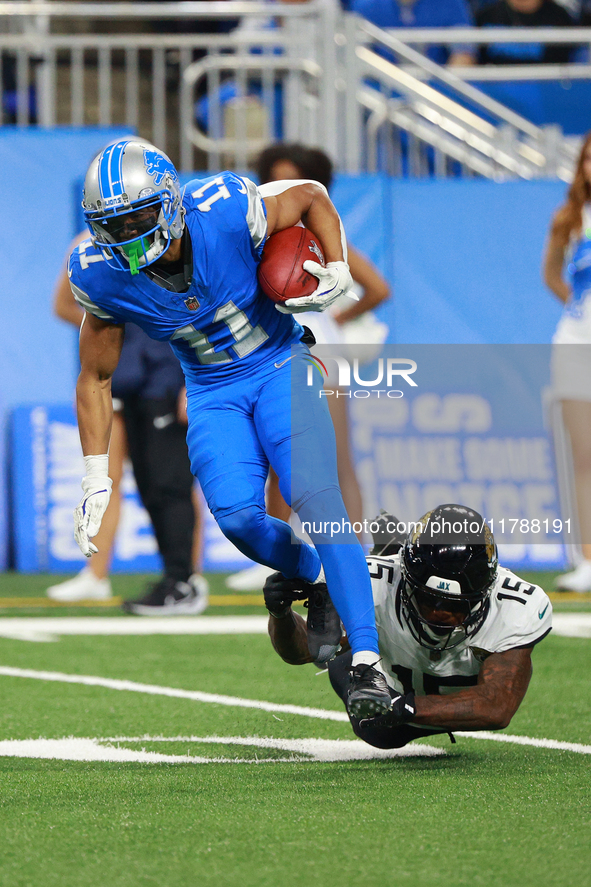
183,267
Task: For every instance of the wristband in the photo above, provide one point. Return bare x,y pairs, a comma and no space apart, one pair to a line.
97,466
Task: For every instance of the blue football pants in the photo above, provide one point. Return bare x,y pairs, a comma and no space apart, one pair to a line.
237,427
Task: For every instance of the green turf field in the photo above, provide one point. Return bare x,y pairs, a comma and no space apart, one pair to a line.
221,785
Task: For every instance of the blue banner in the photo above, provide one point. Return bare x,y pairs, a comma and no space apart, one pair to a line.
458,424
47,468
3,495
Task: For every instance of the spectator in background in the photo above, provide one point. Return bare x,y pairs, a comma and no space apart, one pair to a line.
524,14
570,241
423,14
346,323
148,422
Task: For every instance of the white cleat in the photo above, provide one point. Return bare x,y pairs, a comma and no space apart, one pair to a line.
83,587
578,580
200,586
251,579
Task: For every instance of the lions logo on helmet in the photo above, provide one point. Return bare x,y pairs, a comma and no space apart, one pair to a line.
449,566
158,165
132,204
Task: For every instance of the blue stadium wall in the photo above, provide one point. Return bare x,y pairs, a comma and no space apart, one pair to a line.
463,258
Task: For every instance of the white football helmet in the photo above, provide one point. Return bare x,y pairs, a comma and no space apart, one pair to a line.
132,204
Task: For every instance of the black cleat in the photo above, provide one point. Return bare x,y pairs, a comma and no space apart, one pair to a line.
324,625
169,597
280,593
369,694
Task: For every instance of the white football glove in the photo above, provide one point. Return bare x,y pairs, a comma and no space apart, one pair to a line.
88,514
335,280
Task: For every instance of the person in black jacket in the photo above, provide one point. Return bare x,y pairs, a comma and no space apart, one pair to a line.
524,14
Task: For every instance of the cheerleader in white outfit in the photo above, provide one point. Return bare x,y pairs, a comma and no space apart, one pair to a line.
567,272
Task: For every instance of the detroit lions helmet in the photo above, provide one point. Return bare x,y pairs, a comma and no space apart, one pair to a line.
449,565
132,204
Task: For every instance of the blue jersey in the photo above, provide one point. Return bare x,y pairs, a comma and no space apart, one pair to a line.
224,324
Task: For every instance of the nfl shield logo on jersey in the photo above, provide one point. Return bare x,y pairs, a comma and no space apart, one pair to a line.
192,303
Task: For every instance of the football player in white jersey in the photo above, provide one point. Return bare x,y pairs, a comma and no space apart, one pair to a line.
455,629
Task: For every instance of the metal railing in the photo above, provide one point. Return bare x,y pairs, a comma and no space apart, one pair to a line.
448,119
365,95
153,81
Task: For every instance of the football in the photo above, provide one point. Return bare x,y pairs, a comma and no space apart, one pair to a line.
281,274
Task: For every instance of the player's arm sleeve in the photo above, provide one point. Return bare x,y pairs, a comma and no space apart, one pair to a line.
525,624
82,297
86,302
256,215
379,587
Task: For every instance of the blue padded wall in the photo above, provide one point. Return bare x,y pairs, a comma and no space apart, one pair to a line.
463,258
38,355
566,103
467,260
37,352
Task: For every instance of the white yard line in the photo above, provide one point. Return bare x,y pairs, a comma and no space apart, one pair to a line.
300,750
572,625
46,628
528,740
238,702
154,690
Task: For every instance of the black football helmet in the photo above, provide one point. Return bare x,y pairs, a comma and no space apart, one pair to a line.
449,564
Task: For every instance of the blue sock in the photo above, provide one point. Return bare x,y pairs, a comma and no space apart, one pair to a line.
347,575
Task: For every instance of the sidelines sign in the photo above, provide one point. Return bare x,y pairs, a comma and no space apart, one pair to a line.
3,497
472,432
47,467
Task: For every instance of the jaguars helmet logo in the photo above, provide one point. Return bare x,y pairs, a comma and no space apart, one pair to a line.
419,527
491,548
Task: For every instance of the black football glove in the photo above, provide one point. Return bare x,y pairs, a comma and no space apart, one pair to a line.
280,593
401,711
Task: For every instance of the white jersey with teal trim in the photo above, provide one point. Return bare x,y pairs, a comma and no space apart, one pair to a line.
224,324
520,615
